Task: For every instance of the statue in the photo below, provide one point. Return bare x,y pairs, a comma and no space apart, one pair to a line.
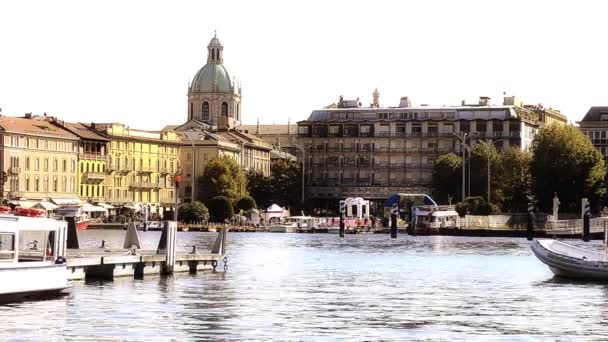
555,207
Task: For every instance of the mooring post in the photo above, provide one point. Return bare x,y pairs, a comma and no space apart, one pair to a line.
530,226
170,251
605,233
342,211
586,211
132,238
72,233
394,211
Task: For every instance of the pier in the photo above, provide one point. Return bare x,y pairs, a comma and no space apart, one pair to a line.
131,261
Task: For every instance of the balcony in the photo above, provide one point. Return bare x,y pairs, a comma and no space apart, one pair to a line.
165,170
383,134
334,149
349,164
381,149
119,199
146,170
15,194
349,149
95,176
365,134
15,169
365,149
364,163
93,156
317,164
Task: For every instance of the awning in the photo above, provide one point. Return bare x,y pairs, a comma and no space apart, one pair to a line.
89,208
48,206
106,206
274,209
24,204
65,201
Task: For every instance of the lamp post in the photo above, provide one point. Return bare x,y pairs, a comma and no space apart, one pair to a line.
303,148
192,136
463,138
490,145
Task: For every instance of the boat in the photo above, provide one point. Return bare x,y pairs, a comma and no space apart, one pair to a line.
32,257
294,224
82,219
569,261
429,219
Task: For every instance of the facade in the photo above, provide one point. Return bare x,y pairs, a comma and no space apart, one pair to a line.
213,96
40,160
595,126
200,144
141,166
373,152
280,137
92,167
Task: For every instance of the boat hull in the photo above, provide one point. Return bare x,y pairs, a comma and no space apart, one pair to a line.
82,225
31,280
569,266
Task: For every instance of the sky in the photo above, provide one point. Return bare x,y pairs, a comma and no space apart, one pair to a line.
132,61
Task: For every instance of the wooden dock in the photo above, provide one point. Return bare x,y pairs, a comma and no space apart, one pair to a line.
107,263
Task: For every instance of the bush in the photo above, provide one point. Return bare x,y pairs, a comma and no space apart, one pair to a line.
220,209
193,212
246,203
476,206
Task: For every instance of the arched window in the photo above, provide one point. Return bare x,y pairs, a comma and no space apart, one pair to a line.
191,110
205,108
224,109
213,54
238,111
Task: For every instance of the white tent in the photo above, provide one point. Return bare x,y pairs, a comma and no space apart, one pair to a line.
275,212
89,208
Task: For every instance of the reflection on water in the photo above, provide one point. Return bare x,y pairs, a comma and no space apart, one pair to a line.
321,287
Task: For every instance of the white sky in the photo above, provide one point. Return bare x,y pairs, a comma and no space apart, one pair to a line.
131,61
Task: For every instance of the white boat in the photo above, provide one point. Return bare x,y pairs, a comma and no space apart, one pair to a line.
436,217
569,261
32,257
294,224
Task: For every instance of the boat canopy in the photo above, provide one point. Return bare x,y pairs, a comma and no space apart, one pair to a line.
416,199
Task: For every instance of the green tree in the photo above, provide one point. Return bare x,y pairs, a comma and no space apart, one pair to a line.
222,177
220,209
447,177
565,161
481,152
246,203
283,187
193,212
513,175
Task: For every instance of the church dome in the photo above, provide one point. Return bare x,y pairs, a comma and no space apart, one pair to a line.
212,78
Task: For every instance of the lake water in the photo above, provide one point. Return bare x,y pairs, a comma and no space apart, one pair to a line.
322,287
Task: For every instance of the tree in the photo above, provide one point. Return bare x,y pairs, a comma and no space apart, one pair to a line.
514,179
481,152
222,177
221,209
565,161
193,212
447,170
246,203
283,187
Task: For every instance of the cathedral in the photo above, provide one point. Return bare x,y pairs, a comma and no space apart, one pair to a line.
213,96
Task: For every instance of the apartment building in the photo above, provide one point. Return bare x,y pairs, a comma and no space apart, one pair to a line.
372,152
595,125
39,158
141,166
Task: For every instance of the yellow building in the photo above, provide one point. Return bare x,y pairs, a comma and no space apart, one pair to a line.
91,161
141,166
40,160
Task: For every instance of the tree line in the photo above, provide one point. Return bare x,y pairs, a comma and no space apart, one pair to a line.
562,161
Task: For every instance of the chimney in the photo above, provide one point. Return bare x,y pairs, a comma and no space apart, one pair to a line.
404,102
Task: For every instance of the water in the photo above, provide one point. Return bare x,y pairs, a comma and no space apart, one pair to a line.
321,287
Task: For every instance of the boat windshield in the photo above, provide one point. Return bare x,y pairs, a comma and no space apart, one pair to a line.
36,245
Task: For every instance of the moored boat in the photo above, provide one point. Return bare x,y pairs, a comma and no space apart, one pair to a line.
32,261
570,261
82,220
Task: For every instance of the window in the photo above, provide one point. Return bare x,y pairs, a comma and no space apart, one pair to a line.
27,183
46,164
7,246
73,168
27,163
36,184
55,163
205,111
46,184
64,165
224,109
303,129
37,164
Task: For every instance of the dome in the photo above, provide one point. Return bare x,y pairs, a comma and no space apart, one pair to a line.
212,78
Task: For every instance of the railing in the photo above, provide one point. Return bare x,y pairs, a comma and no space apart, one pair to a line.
349,149
96,175
15,169
381,149
94,156
15,193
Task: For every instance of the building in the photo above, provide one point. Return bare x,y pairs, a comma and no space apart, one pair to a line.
141,166
92,154
595,125
40,160
200,144
213,96
214,112
372,152
280,137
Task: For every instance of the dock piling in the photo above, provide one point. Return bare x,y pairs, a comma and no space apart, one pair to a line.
586,211
394,211
72,233
341,224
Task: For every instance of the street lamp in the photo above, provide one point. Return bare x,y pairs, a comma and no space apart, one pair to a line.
490,145
463,138
303,149
192,136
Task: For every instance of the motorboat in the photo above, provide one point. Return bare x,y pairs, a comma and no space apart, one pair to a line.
32,257
570,261
81,218
294,224
429,219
